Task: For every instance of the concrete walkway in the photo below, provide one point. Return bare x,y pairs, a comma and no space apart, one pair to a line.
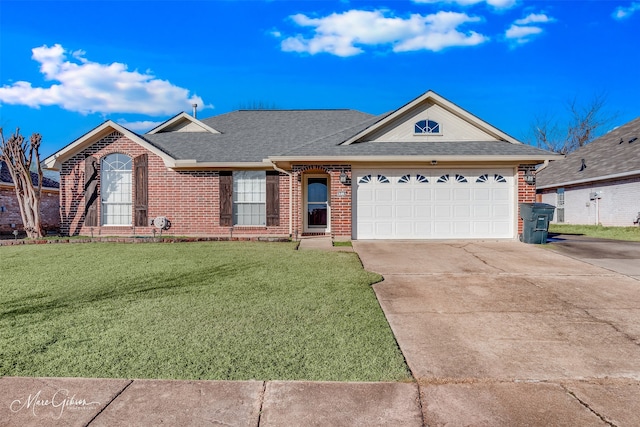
323,243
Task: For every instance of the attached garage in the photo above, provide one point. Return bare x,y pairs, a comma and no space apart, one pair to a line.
434,203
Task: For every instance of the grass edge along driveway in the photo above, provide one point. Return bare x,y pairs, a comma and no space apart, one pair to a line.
216,311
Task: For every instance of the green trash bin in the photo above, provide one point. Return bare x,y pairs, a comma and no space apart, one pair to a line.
536,218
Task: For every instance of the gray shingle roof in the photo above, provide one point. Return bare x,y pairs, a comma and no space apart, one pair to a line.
5,177
253,135
611,154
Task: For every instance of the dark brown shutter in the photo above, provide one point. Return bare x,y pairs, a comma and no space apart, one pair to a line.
273,198
91,179
141,198
226,199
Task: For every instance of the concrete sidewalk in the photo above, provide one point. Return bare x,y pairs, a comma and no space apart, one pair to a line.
106,402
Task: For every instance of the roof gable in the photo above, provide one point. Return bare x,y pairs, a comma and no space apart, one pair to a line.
613,155
55,161
183,122
454,124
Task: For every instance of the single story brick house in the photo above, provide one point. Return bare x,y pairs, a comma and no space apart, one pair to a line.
428,170
598,183
10,218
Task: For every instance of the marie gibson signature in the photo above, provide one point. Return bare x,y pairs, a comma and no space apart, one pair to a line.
60,401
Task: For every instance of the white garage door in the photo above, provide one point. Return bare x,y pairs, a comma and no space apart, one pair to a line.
433,204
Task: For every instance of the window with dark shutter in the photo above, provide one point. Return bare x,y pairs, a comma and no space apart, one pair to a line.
226,199
273,198
91,179
141,198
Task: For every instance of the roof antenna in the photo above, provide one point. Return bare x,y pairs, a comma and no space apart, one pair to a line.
195,110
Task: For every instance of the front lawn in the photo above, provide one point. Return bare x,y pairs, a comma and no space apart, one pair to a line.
223,310
615,233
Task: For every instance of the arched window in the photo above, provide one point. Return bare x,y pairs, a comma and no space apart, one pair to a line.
115,189
427,126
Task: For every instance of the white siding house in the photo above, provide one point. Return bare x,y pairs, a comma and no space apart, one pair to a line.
599,183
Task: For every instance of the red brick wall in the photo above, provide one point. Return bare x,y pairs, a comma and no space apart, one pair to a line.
526,192
49,209
188,198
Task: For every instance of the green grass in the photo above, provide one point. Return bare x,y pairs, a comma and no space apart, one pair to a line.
616,233
223,310
346,243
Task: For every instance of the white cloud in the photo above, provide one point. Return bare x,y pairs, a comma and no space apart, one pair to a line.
534,18
346,34
89,87
521,31
625,12
497,4
141,126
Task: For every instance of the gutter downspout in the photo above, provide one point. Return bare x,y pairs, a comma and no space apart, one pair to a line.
290,174
546,163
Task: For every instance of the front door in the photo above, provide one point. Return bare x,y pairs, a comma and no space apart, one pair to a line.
316,204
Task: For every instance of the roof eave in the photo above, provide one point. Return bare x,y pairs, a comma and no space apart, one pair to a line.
592,179
413,158
192,164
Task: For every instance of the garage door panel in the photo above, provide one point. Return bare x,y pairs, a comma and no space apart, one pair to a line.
383,211
481,194
404,212
462,212
462,194
500,194
404,195
422,194
384,229
422,212
404,229
442,211
482,211
384,195
413,204
442,194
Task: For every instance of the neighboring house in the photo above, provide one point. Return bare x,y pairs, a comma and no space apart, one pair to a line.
598,183
10,218
428,170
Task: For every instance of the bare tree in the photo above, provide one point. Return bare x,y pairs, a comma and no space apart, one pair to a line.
19,156
585,124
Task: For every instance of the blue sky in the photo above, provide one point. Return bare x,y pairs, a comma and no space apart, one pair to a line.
66,66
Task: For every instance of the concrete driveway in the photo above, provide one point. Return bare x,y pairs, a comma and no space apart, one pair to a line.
504,333
616,255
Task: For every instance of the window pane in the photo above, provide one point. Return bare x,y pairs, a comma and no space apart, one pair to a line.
249,197
116,189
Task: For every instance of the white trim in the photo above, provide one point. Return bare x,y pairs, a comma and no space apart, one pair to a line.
305,201
414,159
447,105
194,164
594,179
178,118
55,161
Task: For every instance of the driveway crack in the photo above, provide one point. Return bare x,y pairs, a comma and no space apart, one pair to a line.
588,407
464,248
